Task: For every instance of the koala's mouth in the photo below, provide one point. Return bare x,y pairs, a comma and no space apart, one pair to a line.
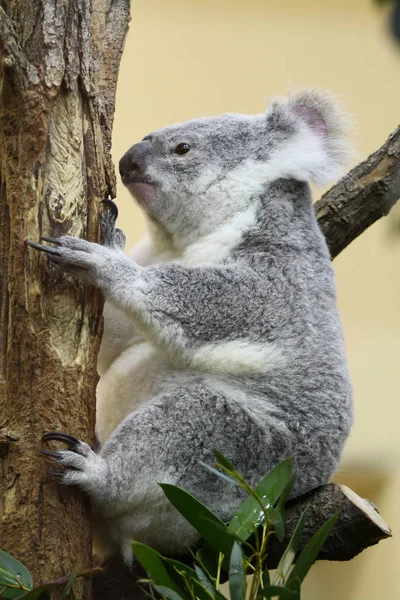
144,191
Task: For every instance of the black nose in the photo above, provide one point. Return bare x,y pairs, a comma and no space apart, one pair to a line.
133,163
128,166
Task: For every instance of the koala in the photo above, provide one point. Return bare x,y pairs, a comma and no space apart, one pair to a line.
221,326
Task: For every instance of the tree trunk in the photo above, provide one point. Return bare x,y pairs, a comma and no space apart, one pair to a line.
59,62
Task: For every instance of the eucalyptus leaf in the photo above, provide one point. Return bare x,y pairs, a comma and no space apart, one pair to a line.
155,565
202,590
204,580
287,558
250,514
15,568
9,592
207,556
10,585
266,580
167,592
237,582
279,522
39,592
310,553
224,461
201,518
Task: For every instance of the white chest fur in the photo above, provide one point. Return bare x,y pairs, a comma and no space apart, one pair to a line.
136,376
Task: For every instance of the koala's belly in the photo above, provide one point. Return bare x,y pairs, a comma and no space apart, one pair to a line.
133,379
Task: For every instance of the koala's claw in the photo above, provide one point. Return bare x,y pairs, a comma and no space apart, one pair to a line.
59,474
51,454
112,237
111,208
51,240
80,461
48,249
65,438
59,436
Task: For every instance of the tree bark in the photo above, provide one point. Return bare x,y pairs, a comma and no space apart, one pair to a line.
365,195
358,525
59,63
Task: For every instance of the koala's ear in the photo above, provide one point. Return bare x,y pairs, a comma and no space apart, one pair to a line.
313,136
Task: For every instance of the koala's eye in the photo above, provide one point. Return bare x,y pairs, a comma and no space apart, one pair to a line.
182,148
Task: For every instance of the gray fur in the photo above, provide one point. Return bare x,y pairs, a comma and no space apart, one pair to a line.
269,287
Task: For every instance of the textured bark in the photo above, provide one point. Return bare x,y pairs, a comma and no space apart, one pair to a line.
358,526
365,195
59,62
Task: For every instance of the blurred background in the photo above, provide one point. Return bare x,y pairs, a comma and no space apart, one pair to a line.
191,58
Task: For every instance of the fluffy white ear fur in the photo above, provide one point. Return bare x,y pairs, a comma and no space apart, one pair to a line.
319,149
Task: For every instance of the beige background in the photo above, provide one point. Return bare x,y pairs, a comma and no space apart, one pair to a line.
190,58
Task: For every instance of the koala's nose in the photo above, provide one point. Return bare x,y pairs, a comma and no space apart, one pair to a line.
132,164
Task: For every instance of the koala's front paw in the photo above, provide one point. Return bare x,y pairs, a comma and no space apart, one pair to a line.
112,237
79,257
83,466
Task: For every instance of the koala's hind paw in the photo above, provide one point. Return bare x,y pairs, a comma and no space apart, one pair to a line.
83,465
112,237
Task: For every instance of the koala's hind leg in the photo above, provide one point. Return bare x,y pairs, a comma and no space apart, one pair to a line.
165,442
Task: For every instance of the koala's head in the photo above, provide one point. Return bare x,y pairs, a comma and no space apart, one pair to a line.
192,177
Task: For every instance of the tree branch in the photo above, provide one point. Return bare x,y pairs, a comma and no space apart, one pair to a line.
358,526
362,197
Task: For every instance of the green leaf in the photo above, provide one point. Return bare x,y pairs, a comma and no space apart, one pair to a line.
167,592
202,590
287,558
207,557
201,518
250,514
224,461
204,580
279,524
16,569
167,572
155,565
236,574
9,592
310,552
272,591
266,580
39,592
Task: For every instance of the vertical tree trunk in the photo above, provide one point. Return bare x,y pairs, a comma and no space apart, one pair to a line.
59,62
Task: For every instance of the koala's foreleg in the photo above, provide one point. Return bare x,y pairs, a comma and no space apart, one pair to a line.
177,307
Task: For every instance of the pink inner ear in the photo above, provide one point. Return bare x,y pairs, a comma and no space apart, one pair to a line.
312,117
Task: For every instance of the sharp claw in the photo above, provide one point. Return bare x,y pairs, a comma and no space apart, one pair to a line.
51,240
55,473
41,248
60,437
110,207
49,453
